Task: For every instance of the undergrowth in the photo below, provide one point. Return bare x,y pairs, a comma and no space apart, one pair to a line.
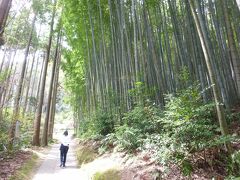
172,135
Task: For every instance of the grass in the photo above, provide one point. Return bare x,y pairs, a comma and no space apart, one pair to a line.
52,141
112,174
85,155
26,171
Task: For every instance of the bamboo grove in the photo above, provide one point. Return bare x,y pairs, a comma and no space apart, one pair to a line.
120,48
159,76
117,54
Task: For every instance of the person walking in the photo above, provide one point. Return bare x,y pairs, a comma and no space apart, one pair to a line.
64,148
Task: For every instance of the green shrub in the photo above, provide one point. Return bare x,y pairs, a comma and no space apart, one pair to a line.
101,123
137,123
142,118
112,174
231,117
186,126
3,136
4,130
3,75
234,164
26,131
107,143
172,135
128,138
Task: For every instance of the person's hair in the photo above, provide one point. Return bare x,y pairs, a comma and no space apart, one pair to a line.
65,133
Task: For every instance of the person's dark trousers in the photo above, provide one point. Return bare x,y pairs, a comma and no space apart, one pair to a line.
63,154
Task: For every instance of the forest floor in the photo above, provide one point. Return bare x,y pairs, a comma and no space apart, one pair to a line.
140,166
9,163
130,167
137,166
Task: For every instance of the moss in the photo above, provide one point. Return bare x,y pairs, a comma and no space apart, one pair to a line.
85,155
26,171
112,174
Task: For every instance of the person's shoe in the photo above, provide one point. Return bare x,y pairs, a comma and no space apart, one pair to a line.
61,165
64,165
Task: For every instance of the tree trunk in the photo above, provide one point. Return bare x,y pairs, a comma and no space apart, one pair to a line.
5,6
54,97
5,91
28,86
49,100
3,59
38,114
19,89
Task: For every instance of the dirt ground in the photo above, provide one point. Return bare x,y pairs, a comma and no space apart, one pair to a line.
9,163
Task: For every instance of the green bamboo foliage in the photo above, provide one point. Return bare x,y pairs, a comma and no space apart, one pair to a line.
120,48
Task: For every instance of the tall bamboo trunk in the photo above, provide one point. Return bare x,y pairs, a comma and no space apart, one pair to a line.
231,44
215,87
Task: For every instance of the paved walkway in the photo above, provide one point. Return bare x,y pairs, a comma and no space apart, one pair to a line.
50,169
